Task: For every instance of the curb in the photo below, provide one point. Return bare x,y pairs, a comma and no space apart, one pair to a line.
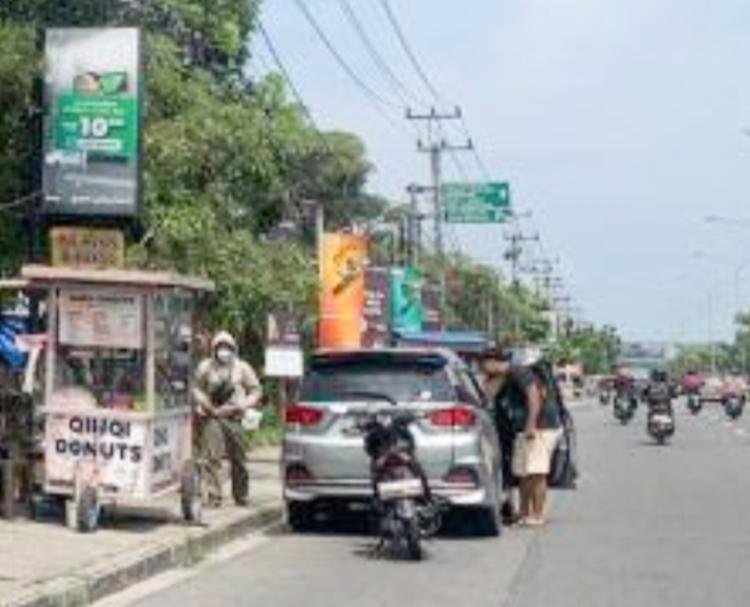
122,572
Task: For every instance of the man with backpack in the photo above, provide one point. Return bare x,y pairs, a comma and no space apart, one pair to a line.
527,412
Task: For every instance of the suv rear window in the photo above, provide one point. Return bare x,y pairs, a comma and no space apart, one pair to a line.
403,380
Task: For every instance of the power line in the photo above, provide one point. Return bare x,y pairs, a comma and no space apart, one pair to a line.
378,100
401,90
12,204
292,87
409,52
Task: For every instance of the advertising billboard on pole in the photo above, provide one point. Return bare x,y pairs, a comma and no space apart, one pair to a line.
406,299
92,133
342,290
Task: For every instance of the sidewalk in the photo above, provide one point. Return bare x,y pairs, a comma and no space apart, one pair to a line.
46,564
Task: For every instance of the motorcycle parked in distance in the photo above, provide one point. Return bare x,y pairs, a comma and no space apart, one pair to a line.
406,509
660,426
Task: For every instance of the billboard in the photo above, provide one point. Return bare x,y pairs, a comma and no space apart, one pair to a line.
377,287
92,135
342,290
406,299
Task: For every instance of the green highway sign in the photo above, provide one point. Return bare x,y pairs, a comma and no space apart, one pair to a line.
476,202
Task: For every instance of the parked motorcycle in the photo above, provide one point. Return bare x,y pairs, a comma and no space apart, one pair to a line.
733,406
405,507
624,408
694,404
660,427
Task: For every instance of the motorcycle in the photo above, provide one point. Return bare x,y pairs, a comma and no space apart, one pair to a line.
694,404
733,406
604,397
660,426
624,408
406,510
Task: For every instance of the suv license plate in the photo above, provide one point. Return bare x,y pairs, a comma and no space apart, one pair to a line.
410,487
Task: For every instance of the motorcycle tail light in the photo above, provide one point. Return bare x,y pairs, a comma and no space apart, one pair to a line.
304,416
459,416
462,475
297,474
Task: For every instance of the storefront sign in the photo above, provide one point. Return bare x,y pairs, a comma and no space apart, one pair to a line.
342,286
103,320
87,248
92,121
111,449
377,288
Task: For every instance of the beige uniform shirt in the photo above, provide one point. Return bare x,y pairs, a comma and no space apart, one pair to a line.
211,374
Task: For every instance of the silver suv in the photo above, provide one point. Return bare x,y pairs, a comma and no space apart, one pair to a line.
323,456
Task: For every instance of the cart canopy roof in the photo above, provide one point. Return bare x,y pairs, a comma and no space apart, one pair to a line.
49,275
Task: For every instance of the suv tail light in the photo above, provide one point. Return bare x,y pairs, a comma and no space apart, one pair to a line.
297,474
458,416
462,475
304,416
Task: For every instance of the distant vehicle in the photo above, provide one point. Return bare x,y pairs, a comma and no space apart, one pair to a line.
324,462
712,390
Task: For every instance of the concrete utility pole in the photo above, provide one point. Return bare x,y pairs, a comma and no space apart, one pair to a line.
435,147
513,254
414,229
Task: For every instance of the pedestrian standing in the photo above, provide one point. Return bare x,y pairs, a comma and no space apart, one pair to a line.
226,388
534,417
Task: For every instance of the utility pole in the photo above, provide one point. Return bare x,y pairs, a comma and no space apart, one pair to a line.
414,230
435,147
513,254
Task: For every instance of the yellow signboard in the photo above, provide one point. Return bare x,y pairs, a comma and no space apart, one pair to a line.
87,248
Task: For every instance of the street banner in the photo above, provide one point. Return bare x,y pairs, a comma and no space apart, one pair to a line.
377,289
87,248
342,290
432,317
284,356
406,299
92,124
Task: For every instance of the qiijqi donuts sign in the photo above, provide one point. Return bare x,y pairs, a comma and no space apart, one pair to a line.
118,454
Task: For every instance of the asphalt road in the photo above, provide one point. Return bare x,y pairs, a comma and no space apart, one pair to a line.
649,525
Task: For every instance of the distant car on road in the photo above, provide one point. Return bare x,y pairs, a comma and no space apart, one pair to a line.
324,461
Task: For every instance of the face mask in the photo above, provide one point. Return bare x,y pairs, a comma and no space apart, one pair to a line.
224,355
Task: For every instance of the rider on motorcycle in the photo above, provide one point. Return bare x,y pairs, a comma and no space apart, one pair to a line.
692,382
624,384
659,394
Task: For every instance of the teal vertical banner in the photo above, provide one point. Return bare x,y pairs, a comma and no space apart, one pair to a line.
406,299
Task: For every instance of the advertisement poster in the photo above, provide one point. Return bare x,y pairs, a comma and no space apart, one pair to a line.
92,121
406,299
342,286
87,248
377,288
432,320
102,320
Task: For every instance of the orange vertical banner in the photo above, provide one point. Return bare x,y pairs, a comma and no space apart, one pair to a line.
342,290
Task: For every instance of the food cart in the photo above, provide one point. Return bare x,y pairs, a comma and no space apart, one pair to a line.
117,383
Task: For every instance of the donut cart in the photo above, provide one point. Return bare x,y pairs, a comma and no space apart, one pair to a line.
117,383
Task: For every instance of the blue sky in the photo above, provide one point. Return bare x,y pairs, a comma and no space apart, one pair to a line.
618,122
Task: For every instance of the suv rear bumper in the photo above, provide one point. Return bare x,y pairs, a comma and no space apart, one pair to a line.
457,495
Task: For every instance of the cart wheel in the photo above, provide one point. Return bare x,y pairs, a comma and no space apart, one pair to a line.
191,495
88,510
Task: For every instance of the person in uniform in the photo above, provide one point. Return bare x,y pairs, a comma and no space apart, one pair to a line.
226,387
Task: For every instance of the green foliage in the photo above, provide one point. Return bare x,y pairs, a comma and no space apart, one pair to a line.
596,349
